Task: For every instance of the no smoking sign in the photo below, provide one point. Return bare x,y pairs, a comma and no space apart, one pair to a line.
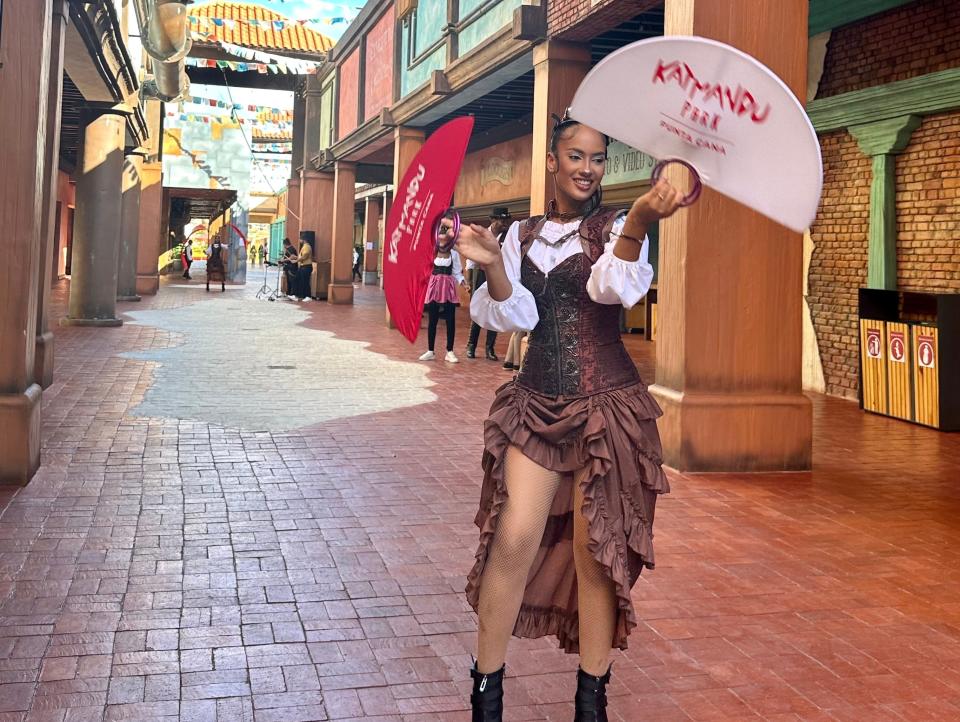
925,352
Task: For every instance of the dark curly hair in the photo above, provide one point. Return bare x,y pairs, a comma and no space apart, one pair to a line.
561,125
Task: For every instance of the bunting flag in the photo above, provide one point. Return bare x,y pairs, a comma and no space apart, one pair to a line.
205,23
273,148
214,103
287,66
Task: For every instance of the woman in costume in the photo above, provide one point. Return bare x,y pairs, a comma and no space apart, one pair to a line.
442,298
572,454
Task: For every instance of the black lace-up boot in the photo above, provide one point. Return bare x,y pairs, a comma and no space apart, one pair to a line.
591,699
487,696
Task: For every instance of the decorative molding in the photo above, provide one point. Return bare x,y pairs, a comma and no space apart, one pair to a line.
386,118
405,7
923,95
530,22
885,136
881,140
439,85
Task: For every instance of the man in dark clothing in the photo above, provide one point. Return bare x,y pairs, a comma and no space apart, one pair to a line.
499,224
289,263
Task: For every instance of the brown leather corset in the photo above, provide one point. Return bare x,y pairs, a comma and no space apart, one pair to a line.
575,350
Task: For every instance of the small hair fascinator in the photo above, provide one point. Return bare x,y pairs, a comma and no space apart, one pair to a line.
559,121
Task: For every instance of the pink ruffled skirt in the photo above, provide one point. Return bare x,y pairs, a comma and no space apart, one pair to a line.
614,436
441,288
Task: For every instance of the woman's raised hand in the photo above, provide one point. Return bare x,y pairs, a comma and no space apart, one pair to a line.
661,201
478,244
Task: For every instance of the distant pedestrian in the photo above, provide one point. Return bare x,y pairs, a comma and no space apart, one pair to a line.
357,273
186,256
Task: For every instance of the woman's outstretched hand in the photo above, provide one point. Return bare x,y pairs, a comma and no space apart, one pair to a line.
478,244
661,201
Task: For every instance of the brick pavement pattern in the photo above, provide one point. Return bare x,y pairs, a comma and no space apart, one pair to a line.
167,565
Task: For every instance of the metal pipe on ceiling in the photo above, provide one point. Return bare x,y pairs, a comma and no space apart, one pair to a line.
165,34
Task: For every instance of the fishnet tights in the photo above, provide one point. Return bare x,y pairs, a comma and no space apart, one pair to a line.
520,528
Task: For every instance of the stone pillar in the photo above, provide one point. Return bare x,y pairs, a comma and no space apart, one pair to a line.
558,68
316,214
96,235
292,228
43,360
316,188
25,49
296,163
344,200
151,236
371,235
730,290
407,142
882,140
129,229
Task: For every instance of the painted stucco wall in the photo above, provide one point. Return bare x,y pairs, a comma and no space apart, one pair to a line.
486,24
349,94
378,66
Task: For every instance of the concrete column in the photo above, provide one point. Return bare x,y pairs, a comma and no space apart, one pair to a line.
43,361
25,48
883,140
129,229
558,68
407,142
293,209
371,234
341,262
151,236
729,341
96,235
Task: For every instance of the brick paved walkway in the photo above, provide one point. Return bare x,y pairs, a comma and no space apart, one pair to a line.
183,555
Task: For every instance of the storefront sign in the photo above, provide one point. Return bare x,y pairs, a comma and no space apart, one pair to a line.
626,164
925,353
874,346
496,170
897,347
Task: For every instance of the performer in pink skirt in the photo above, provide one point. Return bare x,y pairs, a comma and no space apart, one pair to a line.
572,454
442,300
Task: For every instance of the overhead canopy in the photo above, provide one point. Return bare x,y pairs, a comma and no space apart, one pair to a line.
201,203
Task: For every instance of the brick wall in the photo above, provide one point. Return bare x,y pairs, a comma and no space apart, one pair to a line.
581,20
928,207
916,39
839,263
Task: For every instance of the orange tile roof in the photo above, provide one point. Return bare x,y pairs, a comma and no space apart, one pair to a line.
293,37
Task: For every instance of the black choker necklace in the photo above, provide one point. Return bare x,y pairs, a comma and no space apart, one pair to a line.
555,215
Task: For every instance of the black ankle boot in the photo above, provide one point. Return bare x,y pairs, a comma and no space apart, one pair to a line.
471,350
591,700
487,696
491,354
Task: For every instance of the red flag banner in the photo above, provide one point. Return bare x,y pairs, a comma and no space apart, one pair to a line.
420,198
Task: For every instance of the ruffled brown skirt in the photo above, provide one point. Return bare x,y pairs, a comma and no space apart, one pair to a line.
613,435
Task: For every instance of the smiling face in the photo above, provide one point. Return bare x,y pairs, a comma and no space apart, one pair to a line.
577,164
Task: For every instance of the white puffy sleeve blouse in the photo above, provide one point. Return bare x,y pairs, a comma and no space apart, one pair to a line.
612,279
